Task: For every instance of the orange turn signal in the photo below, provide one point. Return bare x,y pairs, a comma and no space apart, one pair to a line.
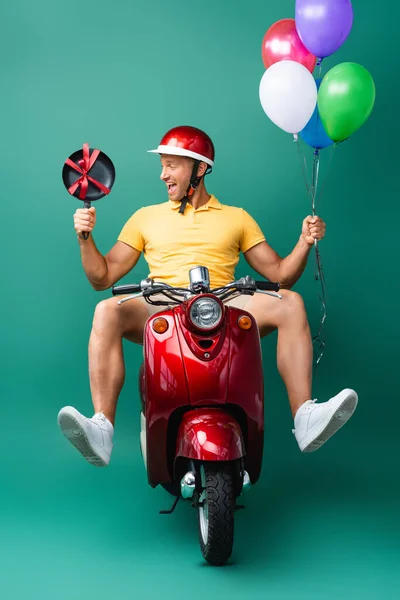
160,325
245,323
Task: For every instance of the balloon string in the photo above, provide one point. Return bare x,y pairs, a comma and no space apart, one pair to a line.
318,270
319,66
326,176
314,184
303,164
312,191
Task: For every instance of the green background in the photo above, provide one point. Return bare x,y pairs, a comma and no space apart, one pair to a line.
118,75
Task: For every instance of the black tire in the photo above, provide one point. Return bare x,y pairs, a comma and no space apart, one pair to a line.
216,511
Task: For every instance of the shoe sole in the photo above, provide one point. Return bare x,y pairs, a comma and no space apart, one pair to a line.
74,432
341,414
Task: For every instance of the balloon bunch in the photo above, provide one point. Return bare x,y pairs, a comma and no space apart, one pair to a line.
322,111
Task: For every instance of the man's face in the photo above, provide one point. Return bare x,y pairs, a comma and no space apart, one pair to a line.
176,172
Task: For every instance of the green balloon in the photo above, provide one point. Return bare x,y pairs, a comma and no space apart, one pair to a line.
345,99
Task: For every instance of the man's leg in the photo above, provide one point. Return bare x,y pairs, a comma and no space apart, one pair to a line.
93,437
294,352
111,323
314,423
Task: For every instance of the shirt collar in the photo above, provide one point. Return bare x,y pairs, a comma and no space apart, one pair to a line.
212,203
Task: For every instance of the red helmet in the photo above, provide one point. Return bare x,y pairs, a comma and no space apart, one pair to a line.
187,141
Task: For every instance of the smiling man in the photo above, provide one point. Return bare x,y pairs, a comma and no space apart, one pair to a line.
194,228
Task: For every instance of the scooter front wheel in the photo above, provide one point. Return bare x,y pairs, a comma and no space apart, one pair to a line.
216,506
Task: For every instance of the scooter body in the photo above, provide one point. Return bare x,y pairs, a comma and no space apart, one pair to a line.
202,395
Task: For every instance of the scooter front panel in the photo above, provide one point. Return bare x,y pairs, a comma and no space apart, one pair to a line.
176,378
165,389
246,386
206,371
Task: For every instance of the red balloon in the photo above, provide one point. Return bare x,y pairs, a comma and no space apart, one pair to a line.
282,42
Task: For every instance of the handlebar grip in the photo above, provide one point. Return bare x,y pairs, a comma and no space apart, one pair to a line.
268,286
126,289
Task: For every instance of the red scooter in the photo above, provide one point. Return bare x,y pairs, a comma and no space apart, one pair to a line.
201,387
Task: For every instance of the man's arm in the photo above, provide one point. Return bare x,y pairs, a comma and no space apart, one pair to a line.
263,259
103,271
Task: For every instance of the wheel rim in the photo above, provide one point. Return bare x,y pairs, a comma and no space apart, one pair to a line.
203,510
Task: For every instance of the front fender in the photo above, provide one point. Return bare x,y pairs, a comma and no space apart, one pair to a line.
209,434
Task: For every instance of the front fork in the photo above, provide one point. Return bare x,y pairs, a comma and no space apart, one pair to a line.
191,481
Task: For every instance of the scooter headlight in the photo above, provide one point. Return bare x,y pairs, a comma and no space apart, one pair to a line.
205,313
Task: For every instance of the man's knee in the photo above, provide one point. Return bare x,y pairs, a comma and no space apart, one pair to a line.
293,299
106,313
126,320
292,304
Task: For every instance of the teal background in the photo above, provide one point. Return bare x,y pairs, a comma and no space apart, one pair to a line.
118,75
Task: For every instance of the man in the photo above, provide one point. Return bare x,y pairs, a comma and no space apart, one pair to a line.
193,228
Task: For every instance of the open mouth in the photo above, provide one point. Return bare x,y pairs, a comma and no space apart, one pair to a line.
172,187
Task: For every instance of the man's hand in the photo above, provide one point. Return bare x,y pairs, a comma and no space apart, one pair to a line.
313,229
84,219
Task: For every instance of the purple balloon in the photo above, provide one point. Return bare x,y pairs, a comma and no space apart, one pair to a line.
323,25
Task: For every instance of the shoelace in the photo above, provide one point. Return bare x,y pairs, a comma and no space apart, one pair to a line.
99,417
311,402
306,408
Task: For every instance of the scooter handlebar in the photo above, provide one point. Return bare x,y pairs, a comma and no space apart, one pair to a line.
268,286
133,288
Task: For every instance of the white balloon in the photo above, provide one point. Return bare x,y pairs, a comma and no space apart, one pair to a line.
288,95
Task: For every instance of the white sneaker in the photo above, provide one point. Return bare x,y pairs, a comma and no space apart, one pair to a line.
316,423
92,437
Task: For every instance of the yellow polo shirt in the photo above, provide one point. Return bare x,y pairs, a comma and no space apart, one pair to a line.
172,243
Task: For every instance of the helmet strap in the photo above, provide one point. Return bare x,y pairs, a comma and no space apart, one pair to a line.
193,185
